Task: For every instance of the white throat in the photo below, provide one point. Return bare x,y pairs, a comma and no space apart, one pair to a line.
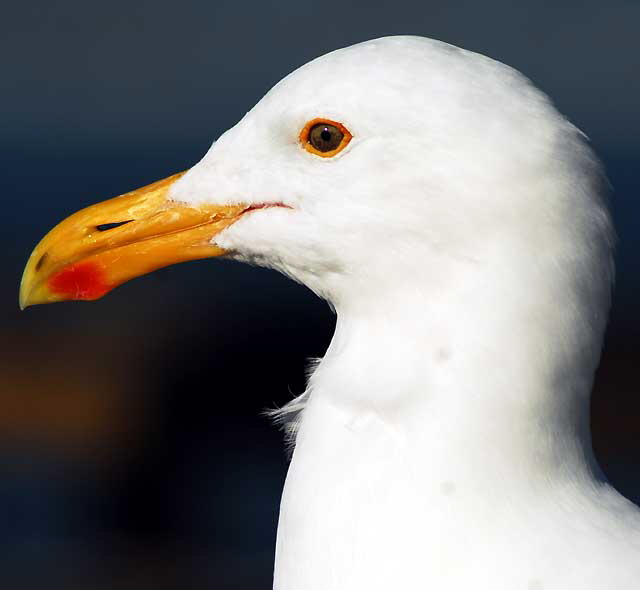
433,415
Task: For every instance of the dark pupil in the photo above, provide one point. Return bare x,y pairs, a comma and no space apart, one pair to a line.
325,137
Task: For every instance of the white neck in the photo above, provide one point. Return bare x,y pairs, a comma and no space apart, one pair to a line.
478,393
460,372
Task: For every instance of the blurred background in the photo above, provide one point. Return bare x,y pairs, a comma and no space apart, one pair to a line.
133,451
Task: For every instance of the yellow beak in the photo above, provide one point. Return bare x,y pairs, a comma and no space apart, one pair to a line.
102,246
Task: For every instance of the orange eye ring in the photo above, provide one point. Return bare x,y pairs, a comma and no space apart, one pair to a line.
324,126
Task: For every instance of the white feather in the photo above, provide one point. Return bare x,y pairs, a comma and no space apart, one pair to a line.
464,241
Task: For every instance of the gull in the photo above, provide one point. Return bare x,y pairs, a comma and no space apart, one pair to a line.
457,223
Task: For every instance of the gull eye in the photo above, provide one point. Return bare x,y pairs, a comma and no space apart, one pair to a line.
324,138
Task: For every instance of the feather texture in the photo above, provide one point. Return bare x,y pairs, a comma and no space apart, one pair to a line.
464,240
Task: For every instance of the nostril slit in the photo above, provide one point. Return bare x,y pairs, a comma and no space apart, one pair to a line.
108,226
41,261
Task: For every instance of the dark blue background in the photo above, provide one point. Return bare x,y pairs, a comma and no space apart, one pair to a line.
133,452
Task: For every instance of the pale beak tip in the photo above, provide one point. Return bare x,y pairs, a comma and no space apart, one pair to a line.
25,296
23,300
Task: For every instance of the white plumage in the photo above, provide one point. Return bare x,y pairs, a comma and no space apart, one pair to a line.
462,238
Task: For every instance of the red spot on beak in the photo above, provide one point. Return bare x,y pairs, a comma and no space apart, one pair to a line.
81,281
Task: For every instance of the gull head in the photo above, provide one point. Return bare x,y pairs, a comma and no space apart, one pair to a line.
400,164
455,164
